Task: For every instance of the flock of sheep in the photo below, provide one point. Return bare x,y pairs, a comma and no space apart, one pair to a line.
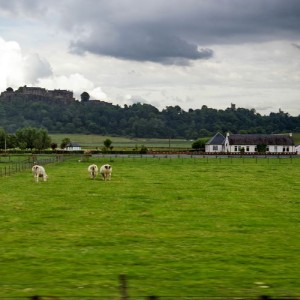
105,172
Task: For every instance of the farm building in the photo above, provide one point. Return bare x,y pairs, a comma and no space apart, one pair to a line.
73,147
251,143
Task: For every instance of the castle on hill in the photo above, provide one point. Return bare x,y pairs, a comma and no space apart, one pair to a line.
39,93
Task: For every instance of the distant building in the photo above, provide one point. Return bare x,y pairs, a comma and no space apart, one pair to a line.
251,143
41,93
73,147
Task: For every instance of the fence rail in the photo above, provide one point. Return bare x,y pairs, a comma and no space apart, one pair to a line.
125,295
15,167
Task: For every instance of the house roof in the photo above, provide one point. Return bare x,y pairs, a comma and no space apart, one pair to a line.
217,139
260,139
72,145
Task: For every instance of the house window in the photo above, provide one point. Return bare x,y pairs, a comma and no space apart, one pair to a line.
215,148
287,149
283,149
235,148
267,149
247,148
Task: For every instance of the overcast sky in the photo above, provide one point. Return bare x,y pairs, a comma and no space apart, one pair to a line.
162,52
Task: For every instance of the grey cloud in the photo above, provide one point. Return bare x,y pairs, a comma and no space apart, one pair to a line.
144,46
167,31
296,45
31,8
172,31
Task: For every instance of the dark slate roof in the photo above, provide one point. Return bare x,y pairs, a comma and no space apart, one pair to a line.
72,145
260,139
217,139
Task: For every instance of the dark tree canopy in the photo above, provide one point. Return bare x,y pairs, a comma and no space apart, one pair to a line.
85,97
137,120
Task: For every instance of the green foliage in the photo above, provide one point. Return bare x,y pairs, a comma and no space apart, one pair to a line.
136,120
107,143
262,148
65,142
33,138
53,146
200,144
175,227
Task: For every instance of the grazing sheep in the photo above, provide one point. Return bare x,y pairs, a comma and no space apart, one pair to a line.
93,170
39,171
105,171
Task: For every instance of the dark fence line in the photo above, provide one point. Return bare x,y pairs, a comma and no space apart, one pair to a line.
124,295
15,167
205,158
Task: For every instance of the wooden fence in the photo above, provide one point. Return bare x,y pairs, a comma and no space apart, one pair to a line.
124,295
15,167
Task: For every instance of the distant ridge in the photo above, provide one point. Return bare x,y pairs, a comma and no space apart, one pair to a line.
59,112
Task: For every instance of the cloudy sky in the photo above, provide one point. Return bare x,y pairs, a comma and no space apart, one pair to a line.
162,52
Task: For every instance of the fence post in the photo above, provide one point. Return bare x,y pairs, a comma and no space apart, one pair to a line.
123,287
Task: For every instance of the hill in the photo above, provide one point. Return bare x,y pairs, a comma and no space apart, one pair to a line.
59,112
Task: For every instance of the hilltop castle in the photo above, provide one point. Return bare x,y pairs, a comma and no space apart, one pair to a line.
39,94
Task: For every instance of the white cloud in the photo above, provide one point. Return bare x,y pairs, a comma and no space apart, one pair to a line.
74,82
18,68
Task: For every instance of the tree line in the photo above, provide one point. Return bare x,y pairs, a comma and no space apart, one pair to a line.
137,120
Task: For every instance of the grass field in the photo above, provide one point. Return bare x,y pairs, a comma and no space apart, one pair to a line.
92,141
96,141
175,227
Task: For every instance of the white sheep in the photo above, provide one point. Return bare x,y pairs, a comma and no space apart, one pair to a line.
105,171
93,170
39,171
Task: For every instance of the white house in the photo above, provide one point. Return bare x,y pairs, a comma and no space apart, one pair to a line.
297,149
215,144
251,143
73,147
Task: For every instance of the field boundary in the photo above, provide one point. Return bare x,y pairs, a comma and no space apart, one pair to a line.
124,295
15,167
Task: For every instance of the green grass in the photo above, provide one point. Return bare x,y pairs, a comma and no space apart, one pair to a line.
175,227
93,141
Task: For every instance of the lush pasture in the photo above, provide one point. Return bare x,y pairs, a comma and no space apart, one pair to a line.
175,227
96,141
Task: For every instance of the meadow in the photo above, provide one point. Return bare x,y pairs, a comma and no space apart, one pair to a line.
93,141
177,228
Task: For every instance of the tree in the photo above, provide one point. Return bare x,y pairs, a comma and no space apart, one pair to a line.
26,137
2,139
53,146
30,138
42,140
261,148
64,143
107,143
85,97
9,89
200,144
